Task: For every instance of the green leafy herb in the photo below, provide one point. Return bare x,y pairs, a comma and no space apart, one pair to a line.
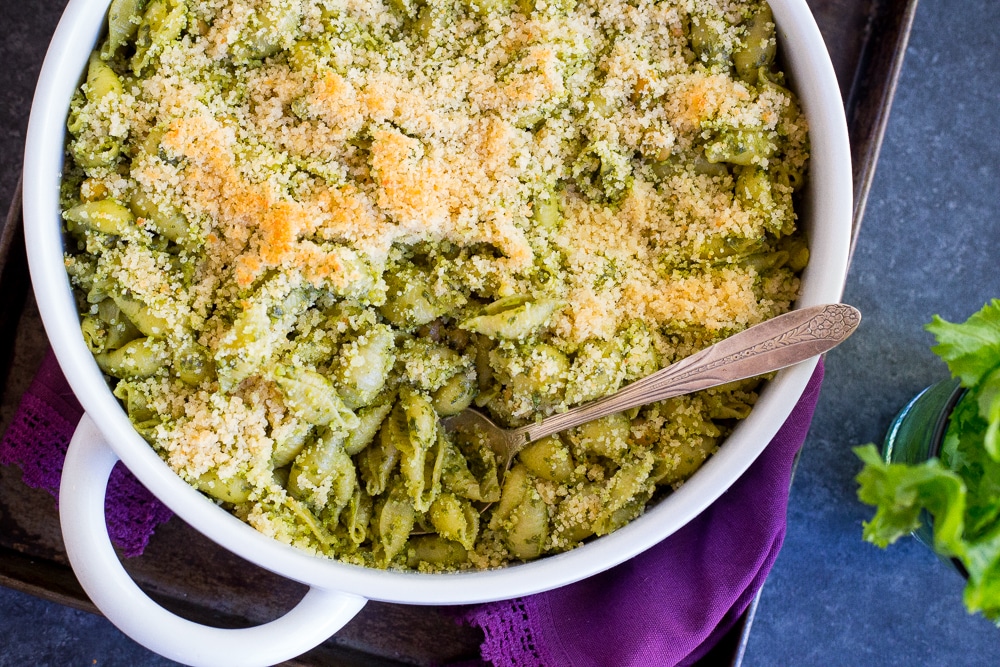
961,489
971,349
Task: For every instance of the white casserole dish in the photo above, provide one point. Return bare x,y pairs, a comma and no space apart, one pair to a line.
338,591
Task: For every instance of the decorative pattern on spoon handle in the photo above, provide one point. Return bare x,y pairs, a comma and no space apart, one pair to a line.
770,346
825,327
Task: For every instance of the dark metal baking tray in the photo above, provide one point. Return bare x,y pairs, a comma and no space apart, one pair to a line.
189,574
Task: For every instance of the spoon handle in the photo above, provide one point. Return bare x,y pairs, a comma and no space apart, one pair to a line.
769,346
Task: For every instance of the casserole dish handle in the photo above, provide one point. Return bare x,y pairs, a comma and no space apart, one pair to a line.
89,460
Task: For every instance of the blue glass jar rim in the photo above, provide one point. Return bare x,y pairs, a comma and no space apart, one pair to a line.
940,423
937,438
939,431
941,427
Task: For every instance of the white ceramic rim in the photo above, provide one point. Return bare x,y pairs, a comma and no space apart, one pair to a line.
828,217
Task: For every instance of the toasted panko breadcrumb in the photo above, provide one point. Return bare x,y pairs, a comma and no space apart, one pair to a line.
515,205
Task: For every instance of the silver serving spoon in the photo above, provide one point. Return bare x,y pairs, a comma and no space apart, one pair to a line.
769,346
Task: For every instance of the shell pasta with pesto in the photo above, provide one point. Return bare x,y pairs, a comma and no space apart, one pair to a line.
301,232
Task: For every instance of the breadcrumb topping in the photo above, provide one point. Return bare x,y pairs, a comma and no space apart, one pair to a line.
286,175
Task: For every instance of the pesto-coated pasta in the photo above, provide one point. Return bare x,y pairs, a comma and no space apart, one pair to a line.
303,232
323,475
139,358
456,394
521,515
162,23
123,23
106,216
436,551
356,517
758,46
364,366
396,517
165,220
455,519
472,476
377,461
548,458
140,315
370,420
232,489
315,399
421,451
288,442
512,318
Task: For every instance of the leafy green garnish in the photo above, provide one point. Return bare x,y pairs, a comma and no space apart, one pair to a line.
901,492
971,349
989,409
972,352
961,489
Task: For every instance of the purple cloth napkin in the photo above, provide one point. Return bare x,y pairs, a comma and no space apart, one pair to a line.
671,604
37,439
668,606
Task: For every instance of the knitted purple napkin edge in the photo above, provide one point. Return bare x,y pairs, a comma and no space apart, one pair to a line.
522,632
36,441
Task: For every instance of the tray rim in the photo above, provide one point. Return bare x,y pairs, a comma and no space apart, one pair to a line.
869,139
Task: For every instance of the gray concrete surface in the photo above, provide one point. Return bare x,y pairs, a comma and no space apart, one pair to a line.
928,245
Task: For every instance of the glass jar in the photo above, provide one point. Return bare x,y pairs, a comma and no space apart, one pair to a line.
916,434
